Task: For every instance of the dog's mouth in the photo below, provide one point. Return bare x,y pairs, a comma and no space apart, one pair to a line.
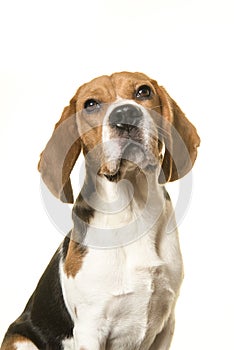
113,178
133,156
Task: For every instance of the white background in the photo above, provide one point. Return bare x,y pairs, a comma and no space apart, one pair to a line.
48,49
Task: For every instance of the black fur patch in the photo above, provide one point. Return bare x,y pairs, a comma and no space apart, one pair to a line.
45,320
82,212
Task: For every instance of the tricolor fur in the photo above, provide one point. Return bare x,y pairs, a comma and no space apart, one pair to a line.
114,281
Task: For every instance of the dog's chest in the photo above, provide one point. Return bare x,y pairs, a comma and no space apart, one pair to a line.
112,297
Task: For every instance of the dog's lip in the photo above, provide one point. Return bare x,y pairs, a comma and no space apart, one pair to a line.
131,152
113,177
111,167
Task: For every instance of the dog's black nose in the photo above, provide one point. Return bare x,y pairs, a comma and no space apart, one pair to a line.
125,117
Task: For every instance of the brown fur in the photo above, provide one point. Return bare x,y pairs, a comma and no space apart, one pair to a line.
73,133
74,258
9,343
181,146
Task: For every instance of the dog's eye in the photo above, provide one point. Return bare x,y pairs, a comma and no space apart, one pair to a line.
143,92
91,105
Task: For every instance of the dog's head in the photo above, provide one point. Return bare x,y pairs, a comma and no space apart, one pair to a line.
120,122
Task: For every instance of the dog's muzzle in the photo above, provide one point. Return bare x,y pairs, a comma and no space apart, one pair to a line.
127,142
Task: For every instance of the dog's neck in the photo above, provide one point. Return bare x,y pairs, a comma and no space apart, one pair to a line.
119,211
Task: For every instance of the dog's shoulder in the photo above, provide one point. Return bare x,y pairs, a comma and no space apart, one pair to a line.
45,307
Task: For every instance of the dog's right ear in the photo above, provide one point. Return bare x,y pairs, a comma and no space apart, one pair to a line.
60,154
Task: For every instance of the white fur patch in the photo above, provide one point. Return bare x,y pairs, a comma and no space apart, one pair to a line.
25,345
68,344
115,295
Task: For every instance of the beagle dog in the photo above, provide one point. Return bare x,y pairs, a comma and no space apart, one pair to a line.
114,281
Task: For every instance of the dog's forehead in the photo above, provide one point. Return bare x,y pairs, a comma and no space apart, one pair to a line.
109,87
128,77
125,83
97,88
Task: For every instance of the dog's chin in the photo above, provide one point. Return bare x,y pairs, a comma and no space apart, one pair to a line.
128,168
134,159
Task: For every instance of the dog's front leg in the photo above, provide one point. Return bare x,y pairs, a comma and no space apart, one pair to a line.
163,339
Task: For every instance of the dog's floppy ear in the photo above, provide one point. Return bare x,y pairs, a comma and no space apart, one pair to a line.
180,138
60,154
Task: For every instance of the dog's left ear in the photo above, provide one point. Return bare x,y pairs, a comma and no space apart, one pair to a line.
180,138
60,154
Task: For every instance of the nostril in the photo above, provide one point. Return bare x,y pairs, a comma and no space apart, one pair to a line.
125,116
116,117
121,126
